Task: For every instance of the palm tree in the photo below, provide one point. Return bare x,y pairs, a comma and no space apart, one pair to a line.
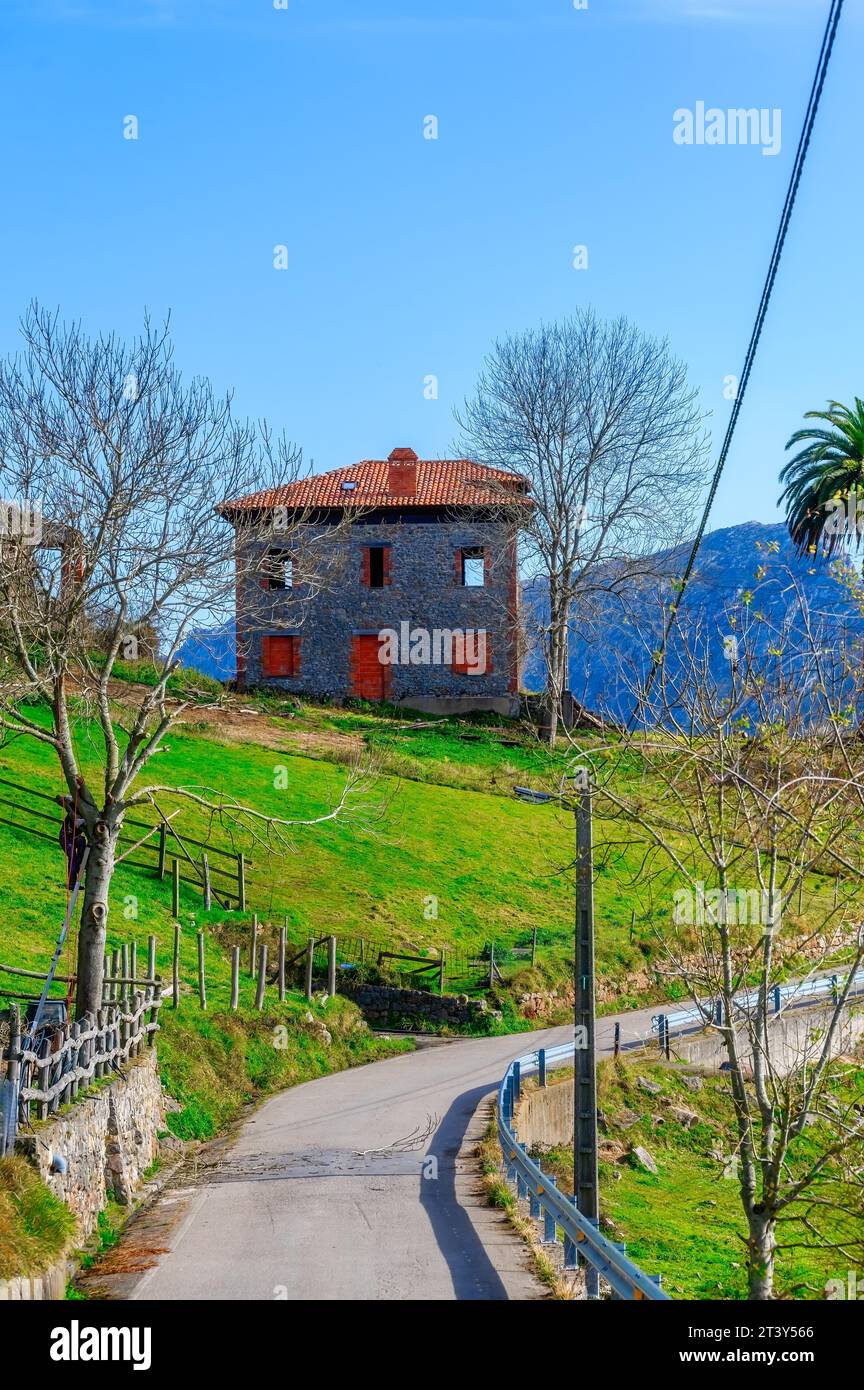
830,470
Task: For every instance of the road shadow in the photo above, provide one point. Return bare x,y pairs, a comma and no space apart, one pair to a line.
473,1274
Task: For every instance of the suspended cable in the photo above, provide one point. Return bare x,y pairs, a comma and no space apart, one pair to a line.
779,242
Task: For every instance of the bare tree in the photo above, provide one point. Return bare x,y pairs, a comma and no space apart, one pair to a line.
115,467
746,787
600,419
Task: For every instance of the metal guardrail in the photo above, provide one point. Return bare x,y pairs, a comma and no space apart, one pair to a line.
581,1236
805,991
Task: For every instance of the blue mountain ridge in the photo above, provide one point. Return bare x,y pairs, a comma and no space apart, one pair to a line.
620,634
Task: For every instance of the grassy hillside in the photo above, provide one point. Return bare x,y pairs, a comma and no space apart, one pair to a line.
495,867
436,853
686,1222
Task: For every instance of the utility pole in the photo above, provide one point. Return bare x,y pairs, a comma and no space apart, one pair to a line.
585,1185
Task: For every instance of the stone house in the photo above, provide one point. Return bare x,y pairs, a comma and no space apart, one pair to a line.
395,579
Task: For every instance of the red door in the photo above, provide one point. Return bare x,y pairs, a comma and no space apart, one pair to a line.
370,678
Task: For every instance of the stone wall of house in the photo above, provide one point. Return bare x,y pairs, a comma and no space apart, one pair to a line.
422,591
106,1141
383,1006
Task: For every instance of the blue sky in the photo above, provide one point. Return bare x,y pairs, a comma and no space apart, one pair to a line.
406,257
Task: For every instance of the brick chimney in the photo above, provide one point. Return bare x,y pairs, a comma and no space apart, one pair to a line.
402,473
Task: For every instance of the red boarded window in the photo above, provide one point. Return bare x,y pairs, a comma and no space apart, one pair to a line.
473,655
375,566
280,656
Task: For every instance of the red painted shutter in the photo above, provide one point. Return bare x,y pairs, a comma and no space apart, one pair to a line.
364,566
461,668
387,562
279,656
295,656
460,573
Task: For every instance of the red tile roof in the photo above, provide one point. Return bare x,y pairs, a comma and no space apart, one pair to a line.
440,483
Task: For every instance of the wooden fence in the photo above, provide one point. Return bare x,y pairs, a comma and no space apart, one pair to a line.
65,1058
220,875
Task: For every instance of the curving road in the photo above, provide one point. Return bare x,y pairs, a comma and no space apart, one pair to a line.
308,1201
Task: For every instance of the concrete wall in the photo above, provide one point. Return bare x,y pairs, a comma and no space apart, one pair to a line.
422,591
545,1116
107,1139
794,1037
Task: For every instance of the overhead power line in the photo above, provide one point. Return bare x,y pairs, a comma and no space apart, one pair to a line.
779,241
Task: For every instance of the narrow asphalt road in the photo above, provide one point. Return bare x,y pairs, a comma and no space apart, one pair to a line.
309,1201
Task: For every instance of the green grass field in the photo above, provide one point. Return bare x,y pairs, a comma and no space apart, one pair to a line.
494,867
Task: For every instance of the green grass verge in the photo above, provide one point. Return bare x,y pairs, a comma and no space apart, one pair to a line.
35,1226
686,1222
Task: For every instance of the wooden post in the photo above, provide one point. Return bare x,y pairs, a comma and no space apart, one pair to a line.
116,971
235,976
99,1042
836,888
13,1071
280,974
123,1025
151,958
253,945
310,953
534,946
134,964
632,923
176,964
202,987
241,882
491,963
153,993
331,965
262,976
72,1089
205,863
163,846
124,971
175,887
441,973
106,988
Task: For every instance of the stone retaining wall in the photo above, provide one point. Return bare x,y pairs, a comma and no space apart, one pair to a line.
106,1140
385,1006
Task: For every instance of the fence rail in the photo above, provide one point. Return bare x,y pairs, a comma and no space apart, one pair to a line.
159,840
581,1236
50,1070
